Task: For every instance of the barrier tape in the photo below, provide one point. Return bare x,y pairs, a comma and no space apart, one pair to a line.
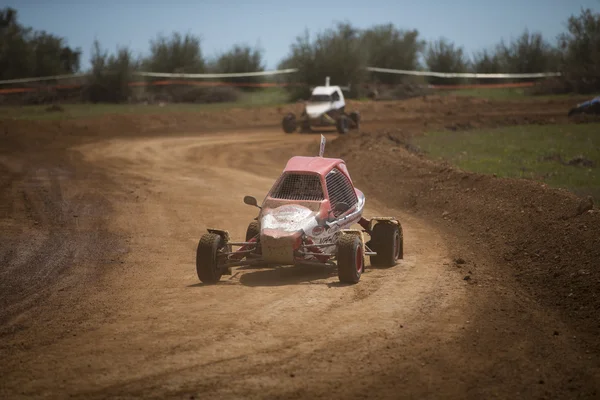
292,70
484,86
216,76
155,83
42,78
191,83
463,74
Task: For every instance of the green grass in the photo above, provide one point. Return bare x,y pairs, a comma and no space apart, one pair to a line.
264,97
495,93
531,152
504,94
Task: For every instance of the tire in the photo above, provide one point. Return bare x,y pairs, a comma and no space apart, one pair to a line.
350,259
355,117
387,241
252,230
289,123
206,258
343,124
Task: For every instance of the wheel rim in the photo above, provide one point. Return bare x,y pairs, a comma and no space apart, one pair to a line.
359,259
396,245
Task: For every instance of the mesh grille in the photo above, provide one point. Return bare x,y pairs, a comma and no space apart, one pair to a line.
299,187
340,190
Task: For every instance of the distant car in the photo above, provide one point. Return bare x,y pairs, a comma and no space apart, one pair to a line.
325,107
305,219
587,107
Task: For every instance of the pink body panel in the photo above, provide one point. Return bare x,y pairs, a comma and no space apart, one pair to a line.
320,166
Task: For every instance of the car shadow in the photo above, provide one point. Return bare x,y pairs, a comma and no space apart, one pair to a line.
288,275
254,276
322,131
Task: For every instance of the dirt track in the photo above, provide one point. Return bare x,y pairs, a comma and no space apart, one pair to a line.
100,297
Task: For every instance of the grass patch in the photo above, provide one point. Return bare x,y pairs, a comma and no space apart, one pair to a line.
259,98
547,153
506,94
492,93
265,97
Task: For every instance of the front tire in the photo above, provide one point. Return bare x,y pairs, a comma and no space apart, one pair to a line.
343,124
355,117
207,266
350,259
289,123
388,242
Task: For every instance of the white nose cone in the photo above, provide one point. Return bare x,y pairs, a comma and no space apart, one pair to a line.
289,218
317,109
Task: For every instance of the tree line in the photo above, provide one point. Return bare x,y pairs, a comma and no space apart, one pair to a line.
341,52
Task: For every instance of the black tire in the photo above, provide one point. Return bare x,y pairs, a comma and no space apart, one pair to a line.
253,230
289,123
387,241
355,117
206,258
350,258
343,124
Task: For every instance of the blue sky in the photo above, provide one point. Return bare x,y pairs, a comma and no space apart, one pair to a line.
273,25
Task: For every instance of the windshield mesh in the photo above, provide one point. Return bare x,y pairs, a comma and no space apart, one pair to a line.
340,190
318,98
299,187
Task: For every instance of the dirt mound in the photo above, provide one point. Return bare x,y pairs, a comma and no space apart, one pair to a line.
548,237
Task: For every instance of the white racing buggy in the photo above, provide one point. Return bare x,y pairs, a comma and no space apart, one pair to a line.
325,108
306,219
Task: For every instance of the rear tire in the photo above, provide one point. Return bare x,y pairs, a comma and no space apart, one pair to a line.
350,258
343,124
355,117
289,123
387,241
207,266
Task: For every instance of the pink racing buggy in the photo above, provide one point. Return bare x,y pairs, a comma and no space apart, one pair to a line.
306,219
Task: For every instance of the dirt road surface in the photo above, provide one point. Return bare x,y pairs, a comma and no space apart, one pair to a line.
100,297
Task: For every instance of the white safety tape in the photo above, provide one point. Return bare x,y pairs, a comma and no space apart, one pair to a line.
43,78
212,76
292,70
463,74
162,75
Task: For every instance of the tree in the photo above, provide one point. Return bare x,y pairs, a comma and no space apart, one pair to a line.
179,54
580,47
15,52
51,56
25,53
336,53
241,58
487,62
110,75
443,56
389,47
529,53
